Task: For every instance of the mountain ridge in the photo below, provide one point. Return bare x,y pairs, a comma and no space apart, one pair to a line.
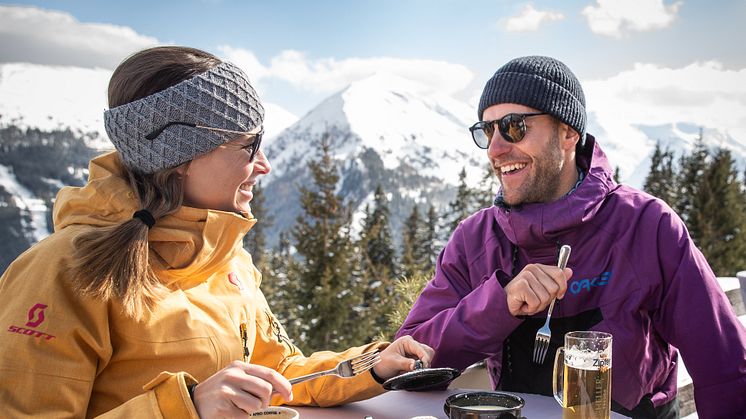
387,131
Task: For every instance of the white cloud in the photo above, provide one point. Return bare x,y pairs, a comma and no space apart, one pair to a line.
276,119
327,75
703,93
246,60
529,19
614,18
34,35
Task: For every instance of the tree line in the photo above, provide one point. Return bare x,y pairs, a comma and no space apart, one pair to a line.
333,288
704,188
334,284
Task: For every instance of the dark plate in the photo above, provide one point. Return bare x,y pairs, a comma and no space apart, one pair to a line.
422,379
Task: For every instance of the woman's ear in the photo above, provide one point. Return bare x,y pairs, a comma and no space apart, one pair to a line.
182,169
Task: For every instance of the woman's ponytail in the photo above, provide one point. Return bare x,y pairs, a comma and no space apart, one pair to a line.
113,262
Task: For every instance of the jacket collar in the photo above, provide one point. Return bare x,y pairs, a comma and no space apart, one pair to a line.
185,247
541,225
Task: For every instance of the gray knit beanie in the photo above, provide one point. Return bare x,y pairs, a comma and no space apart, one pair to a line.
541,83
221,97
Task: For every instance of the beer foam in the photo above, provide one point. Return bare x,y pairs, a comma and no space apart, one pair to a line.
587,360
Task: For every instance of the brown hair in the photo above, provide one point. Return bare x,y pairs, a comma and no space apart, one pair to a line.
112,262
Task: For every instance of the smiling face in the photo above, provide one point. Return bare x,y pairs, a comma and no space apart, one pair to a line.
223,179
540,168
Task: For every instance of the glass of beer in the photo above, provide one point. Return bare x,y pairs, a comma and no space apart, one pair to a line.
582,375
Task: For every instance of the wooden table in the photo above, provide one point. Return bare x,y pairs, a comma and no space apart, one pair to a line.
406,405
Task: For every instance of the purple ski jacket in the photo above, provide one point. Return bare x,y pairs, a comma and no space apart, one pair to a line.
636,274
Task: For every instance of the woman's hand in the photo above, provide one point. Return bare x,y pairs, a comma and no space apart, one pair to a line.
238,389
399,357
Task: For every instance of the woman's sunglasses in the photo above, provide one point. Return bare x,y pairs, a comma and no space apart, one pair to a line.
251,148
512,127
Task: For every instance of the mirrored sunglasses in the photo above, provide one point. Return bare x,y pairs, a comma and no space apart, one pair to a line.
512,127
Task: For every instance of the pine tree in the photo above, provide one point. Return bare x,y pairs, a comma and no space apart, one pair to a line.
378,262
255,240
405,294
718,216
430,243
412,237
277,287
617,175
379,247
463,204
488,187
660,181
691,169
328,295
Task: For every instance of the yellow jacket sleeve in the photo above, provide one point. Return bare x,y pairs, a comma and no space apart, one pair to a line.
273,349
55,343
166,394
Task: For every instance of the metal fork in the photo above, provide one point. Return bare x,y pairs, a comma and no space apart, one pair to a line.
541,343
349,368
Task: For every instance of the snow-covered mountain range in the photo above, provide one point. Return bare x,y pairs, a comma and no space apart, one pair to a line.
387,130
390,132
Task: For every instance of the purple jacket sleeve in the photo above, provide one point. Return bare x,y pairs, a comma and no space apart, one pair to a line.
694,315
463,316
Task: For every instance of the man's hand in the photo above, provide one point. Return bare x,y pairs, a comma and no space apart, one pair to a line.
535,287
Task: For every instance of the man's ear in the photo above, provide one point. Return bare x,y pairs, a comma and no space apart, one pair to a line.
568,136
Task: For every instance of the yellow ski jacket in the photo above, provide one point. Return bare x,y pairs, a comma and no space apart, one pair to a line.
63,355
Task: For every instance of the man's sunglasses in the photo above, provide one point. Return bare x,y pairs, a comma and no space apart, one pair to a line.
512,127
251,148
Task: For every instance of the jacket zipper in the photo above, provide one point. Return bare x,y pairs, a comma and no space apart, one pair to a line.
244,336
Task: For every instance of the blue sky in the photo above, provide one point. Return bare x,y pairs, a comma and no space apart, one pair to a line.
637,58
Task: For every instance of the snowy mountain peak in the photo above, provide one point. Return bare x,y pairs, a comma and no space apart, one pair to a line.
385,131
383,81
397,119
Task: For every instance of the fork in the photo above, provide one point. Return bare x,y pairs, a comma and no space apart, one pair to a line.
349,368
541,343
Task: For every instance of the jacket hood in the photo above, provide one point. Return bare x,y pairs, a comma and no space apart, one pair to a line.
186,246
539,225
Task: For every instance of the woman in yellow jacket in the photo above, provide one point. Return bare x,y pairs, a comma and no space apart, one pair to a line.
133,307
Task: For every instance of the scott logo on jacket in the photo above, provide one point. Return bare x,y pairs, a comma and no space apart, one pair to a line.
35,319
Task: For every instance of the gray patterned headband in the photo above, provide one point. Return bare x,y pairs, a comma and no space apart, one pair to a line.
220,98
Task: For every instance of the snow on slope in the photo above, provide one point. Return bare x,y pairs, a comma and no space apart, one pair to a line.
27,203
391,116
50,98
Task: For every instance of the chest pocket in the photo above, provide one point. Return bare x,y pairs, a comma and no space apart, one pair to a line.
176,337
272,331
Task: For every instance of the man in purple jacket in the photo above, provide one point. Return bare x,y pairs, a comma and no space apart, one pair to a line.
634,271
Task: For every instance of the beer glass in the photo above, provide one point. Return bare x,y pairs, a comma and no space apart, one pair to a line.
582,375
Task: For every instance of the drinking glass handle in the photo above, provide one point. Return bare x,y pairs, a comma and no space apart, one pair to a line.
558,375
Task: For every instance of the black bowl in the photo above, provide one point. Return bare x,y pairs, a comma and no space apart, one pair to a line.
484,405
422,379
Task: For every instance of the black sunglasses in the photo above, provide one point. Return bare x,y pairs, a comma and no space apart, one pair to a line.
251,148
512,127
